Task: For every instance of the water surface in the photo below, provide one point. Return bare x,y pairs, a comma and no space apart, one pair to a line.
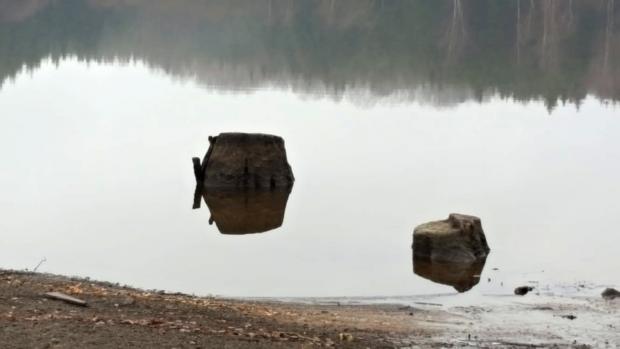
389,121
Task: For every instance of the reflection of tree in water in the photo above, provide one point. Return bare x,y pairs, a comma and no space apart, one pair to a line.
456,31
13,11
606,75
609,32
445,51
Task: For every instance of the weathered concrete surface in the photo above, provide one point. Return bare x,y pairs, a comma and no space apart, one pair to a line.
462,276
458,239
247,211
243,160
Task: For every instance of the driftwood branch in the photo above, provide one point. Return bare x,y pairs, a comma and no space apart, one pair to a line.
38,265
65,298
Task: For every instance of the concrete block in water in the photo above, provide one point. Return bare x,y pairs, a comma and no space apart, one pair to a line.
458,239
244,160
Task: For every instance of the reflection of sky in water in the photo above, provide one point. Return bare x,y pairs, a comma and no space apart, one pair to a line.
97,177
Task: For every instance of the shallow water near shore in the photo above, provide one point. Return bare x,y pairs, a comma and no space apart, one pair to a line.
113,201
97,176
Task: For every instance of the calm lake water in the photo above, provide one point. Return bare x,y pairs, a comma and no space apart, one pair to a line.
394,113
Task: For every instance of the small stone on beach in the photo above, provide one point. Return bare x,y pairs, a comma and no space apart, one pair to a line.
569,317
523,290
610,293
346,337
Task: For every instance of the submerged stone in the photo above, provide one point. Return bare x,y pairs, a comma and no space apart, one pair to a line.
462,276
458,239
244,160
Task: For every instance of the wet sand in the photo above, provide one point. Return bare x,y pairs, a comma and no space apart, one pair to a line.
124,317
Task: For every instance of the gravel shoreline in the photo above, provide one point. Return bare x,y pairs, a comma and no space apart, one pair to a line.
125,317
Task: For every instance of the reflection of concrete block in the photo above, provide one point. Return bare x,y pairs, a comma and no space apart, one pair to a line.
247,211
461,276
